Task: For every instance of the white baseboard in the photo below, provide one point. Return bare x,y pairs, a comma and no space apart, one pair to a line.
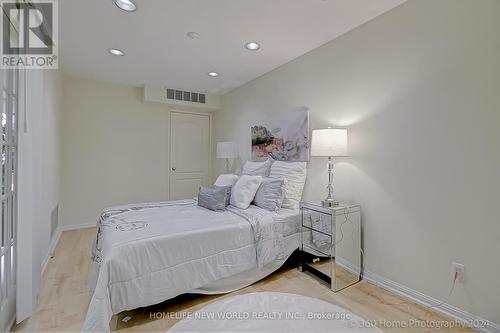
347,265
52,247
9,326
446,310
57,235
77,226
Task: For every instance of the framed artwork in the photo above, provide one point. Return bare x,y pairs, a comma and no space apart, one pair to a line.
284,139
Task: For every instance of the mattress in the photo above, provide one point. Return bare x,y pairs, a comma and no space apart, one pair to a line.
148,253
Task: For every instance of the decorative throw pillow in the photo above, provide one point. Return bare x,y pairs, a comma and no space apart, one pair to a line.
270,194
295,175
257,168
213,198
244,190
228,193
226,180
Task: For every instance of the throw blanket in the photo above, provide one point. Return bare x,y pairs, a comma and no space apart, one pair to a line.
268,234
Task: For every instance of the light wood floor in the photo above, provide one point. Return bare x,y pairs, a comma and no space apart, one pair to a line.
64,296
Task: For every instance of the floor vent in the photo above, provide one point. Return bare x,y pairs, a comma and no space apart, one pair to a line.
185,96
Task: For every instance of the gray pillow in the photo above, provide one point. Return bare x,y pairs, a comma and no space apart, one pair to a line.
213,198
228,194
270,194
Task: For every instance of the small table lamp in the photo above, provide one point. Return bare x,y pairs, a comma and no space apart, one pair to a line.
329,142
226,150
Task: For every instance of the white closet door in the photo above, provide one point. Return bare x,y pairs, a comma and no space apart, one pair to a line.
189,154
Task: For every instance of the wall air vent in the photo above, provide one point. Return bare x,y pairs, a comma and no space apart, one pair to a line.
181,98
186,96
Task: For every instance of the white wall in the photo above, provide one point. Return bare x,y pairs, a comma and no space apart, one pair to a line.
38,178
419,88
114,149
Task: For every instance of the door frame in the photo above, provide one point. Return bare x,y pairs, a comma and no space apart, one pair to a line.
211,139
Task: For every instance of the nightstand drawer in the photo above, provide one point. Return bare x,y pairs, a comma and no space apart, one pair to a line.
317,243
317,221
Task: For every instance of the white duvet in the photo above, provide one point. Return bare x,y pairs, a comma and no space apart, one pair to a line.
147,253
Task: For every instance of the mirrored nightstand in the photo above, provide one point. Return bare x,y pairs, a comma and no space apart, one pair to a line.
331,243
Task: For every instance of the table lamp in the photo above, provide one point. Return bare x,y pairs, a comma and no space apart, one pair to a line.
329,142
226,150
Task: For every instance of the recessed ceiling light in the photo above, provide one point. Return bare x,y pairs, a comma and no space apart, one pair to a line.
126,5
252,46
213,74
193,35
116,52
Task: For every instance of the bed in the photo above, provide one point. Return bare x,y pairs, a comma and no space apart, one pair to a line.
147,253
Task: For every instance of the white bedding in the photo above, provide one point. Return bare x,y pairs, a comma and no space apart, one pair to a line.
148,253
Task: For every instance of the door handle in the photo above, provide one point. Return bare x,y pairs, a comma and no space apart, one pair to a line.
174,168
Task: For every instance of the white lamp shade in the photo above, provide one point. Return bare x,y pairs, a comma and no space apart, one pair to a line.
226,150
329,142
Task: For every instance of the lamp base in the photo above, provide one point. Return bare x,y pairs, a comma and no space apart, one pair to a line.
329,203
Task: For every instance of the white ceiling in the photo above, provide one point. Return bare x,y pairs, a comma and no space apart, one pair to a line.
158,51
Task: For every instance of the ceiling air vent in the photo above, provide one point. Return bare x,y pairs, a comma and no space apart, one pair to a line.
186,96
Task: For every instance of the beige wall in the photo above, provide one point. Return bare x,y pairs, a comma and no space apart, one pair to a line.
419,88
51,147
114,149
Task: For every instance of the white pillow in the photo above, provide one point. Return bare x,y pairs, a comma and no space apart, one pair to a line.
226,180
257,168
295,174
244,191
270,194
